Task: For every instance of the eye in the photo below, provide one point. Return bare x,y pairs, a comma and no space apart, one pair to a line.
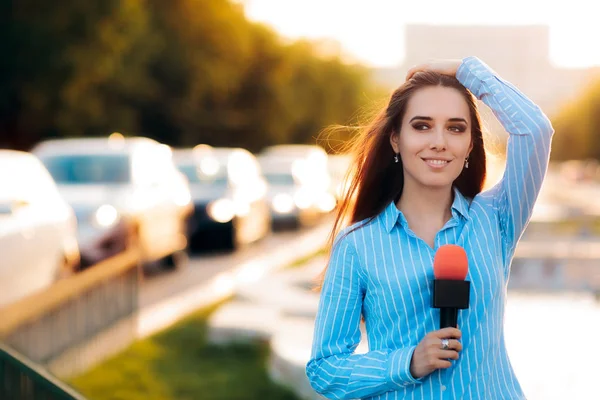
420,126
457,128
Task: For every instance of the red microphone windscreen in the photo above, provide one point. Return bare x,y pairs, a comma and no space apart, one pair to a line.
450,262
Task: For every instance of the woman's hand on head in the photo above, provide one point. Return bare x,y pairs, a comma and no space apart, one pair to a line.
429,355
445,67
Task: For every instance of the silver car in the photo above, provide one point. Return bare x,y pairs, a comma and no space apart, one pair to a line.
126,192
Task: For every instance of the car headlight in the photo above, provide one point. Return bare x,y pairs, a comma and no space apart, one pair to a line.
222,210
283,203
105,216
182,198
326,202
303,199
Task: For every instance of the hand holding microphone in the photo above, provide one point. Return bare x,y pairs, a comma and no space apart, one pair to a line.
431,354
450,293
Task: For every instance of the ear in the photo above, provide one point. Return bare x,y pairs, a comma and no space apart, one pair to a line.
394,137
470,149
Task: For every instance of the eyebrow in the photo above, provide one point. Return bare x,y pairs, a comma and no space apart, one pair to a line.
418,117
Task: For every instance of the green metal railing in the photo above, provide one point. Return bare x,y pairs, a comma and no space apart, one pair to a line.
21,379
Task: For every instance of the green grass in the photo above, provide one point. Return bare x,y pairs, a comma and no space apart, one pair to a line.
178,364
323,251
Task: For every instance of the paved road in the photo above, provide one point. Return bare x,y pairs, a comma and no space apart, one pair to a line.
202,268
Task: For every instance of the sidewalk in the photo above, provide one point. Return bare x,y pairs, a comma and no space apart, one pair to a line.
281,309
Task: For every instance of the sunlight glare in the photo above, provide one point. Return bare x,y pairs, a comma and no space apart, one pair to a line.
373,32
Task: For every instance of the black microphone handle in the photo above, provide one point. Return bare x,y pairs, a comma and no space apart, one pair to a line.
448,317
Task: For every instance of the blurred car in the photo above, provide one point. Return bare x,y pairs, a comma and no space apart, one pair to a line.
126,193
298,194
314,152
229,196
37,228
307,163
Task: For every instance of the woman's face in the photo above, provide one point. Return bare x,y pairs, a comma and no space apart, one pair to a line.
435,137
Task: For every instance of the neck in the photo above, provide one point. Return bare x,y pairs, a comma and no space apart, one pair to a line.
426,203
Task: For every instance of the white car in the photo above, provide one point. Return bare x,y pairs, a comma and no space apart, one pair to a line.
37,228
126,192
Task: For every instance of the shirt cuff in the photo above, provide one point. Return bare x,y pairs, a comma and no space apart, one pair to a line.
399,367
473,74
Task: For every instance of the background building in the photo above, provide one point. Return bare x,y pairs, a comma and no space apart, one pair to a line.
519,54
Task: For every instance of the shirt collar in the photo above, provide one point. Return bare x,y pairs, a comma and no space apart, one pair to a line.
391,215
460,204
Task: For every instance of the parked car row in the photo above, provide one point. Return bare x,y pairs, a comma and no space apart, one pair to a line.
71,203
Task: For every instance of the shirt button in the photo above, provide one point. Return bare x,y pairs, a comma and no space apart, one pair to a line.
443,388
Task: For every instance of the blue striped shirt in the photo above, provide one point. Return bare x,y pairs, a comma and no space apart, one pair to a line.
383,271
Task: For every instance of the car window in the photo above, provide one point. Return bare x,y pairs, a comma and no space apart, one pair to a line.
89,168
279,178
195,175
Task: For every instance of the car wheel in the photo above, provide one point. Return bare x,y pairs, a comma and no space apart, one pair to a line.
231,239
176,261
63,269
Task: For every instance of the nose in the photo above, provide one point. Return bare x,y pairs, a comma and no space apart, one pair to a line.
438,140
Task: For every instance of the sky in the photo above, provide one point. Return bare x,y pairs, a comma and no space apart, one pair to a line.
368,29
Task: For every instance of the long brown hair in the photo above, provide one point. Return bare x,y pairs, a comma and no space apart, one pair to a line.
375,179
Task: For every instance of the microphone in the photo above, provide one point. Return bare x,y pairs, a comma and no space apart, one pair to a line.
450,290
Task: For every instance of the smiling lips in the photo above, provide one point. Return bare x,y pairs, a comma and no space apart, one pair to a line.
436,162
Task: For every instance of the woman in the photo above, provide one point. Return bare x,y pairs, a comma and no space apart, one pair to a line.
419,173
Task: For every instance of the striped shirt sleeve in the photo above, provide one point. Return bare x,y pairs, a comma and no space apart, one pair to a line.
528,150
334,370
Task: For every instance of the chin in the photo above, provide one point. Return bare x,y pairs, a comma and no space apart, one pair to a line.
433,180
434,186
438,182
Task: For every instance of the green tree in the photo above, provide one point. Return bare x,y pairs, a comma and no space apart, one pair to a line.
577,127
228,82
68,65
204,51
183,72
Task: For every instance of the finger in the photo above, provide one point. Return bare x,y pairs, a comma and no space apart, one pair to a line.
447,333
411,72
447,355
455,345
442,364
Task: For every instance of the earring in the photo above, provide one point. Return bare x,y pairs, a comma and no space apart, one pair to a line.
467,162
396,159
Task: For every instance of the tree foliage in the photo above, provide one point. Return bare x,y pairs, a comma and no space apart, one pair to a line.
183,72
577,127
